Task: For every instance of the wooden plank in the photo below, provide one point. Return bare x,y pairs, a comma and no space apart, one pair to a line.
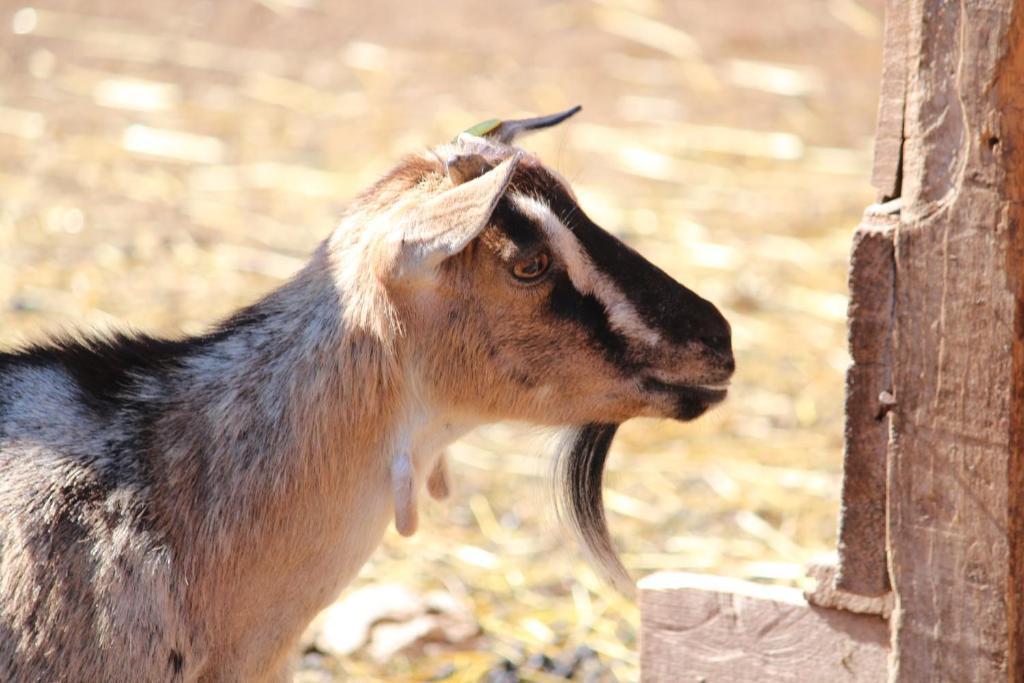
957,317
709,628
886,173
862,554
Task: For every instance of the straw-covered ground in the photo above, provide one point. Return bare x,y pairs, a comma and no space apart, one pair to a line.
162,163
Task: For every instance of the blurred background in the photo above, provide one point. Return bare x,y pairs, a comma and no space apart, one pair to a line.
162,163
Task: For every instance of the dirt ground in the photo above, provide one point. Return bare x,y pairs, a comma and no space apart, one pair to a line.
162,163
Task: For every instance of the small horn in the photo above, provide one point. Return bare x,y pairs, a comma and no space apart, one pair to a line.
508,131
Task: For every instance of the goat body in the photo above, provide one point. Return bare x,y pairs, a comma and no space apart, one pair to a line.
180,510
159,501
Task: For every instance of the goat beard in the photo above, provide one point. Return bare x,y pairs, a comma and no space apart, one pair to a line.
578,474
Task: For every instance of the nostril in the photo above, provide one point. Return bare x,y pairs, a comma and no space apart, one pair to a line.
721,346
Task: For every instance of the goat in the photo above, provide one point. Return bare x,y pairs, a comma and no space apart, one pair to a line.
180,510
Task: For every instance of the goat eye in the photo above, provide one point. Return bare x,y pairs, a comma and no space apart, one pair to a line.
533,267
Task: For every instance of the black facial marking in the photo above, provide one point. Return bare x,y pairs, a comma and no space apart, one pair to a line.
523,232
568,303
564,301
664,304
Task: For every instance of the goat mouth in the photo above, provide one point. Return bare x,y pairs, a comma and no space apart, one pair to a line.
691,400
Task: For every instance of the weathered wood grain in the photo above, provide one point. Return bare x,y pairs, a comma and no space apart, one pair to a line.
886,172
862,559
1008,142
715,629
827,594
957,318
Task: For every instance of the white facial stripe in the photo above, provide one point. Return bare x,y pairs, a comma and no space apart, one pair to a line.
585,276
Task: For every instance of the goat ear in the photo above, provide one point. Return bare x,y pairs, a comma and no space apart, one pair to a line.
445,224
462,168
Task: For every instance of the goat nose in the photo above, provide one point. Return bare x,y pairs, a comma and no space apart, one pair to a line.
722,343
730,364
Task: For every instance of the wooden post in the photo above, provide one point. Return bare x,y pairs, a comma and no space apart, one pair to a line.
937,337
955,466
862,520
1010,142
863,563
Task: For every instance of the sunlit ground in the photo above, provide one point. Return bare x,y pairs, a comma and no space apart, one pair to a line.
162,163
